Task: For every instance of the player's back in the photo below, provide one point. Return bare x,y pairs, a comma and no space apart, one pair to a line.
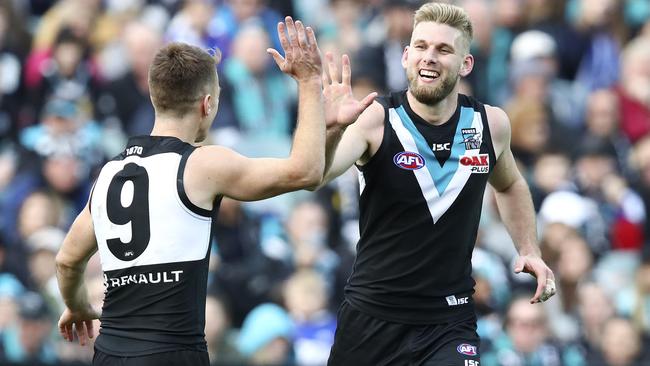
153,244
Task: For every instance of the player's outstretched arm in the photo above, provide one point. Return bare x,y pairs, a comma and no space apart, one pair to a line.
341,108
225,172
77,248
516,207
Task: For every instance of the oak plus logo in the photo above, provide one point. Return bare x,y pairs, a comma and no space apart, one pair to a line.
408,160
478,163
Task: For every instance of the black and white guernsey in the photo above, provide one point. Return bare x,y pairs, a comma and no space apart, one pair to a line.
154,248
420,204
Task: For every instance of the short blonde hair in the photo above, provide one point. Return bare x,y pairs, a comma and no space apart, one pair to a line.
451,15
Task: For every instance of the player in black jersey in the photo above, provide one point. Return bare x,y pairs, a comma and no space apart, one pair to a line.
152,208
424,157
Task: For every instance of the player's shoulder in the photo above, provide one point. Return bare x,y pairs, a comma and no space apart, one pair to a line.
499,122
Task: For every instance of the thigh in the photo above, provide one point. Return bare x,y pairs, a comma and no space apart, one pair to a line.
362,340
454,344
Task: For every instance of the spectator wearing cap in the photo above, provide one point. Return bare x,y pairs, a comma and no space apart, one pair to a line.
28,341
266,336
534,74
64,131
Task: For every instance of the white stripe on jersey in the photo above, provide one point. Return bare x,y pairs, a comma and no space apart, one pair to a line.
177,233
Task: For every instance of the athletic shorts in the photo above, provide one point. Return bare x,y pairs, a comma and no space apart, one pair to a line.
361,339
170,358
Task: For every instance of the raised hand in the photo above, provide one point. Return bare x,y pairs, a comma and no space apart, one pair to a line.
301,54
341,109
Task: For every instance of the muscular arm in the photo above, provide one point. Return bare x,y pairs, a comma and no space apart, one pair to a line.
214,171
79,245
515,204
516,207
71,260
357,143
221,171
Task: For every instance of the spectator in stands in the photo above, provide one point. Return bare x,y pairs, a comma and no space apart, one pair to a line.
306,299
526,340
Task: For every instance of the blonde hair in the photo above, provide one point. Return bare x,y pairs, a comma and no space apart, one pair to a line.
451,15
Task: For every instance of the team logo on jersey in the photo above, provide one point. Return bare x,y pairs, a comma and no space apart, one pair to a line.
478,163
408,160
471,138
466,349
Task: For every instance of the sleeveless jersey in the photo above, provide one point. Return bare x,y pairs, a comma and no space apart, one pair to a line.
154,247
420,204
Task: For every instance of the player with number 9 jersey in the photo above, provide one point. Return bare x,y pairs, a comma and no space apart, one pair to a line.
154,245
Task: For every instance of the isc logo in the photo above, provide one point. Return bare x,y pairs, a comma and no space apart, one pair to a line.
440,147
478,163
408,160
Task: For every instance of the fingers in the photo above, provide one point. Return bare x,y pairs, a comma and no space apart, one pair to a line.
519,264
327,78
541,282
367,101
302,35
66,331
311,37
291,30
284,41
346,73
549,289
279,60
81,332
333,69
90,328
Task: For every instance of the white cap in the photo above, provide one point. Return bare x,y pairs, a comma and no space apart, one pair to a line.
48,238
532,44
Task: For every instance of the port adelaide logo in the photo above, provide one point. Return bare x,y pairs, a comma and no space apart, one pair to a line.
471,138
408,160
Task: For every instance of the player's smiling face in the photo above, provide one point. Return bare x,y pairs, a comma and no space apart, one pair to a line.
434,61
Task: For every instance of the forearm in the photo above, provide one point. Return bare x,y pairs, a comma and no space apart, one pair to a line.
308,150
332,139
518,214
72,285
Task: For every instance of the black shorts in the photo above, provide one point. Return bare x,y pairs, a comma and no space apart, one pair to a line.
364,340
170,358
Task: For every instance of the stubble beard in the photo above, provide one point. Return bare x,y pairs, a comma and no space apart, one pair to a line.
428,95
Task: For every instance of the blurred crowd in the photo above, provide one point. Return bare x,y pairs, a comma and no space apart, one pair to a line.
573,76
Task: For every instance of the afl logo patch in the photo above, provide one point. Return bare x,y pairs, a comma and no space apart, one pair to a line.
408,160
466,349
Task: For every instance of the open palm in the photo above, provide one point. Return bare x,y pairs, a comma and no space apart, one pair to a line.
341,108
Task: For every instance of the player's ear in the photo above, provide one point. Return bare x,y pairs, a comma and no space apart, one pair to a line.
206,105
467,66
405,56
